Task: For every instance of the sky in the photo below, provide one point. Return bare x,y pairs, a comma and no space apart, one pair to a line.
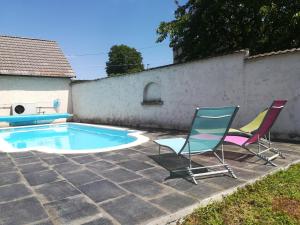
86,29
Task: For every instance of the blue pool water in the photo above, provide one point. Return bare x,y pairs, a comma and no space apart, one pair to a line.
65,137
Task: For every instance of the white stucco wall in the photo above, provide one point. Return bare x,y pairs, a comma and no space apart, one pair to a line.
227,80
118,100
39,90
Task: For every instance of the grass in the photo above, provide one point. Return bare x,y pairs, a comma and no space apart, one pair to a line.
273,200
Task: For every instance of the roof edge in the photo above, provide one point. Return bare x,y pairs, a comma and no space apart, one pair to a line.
28,38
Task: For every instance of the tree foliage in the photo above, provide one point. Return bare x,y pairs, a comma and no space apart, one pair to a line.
204,28
123,60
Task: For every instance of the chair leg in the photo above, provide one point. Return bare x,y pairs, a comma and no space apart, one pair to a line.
230,171
261,157
191,174
158,150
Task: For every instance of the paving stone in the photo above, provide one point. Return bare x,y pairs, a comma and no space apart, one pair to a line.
57,190
85,159
3,154
56,160
174,201
117,157
131,210
67,211
127,152
48,222
102,190
44,155
142,157
224,182
6,161
27,160
246,174
21,212
202,190
143,187
13,192
33,167
120,175
100,221
180,184
22,154
81,177
41,177
9,178
157,174
135,165
67,167
100,166
7,168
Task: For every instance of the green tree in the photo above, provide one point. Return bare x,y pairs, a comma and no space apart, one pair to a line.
204,28
123,60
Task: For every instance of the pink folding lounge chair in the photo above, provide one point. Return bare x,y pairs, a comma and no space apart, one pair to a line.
262,131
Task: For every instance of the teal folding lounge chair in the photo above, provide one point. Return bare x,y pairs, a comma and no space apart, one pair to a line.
208,130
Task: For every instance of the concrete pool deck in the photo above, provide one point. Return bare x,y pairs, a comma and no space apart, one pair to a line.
129,186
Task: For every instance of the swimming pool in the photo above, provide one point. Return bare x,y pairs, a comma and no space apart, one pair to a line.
68,138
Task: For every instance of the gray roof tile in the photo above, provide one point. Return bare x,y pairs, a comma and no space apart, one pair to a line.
32,57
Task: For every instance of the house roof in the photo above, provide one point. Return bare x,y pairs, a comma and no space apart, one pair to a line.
32,57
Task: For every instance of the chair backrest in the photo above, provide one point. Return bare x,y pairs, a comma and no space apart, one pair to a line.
268,121
255,123
209,128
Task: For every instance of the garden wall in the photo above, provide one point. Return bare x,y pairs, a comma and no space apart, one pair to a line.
166,97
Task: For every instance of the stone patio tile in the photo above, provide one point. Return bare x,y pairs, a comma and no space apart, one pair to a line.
142,157
117,157
67,167
174,202
135,165
9,178
100,221
100,166
245,174
42,177
13,192
127,152
73,155
47,222
56,160
179,184
68,210
33,167
24,154
23,211
224,182
85,159
3,154
156,173
7,168
120,175
27,160
44,155
57,190
130,210
143,187
102,190
6,161
202,190
81,177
